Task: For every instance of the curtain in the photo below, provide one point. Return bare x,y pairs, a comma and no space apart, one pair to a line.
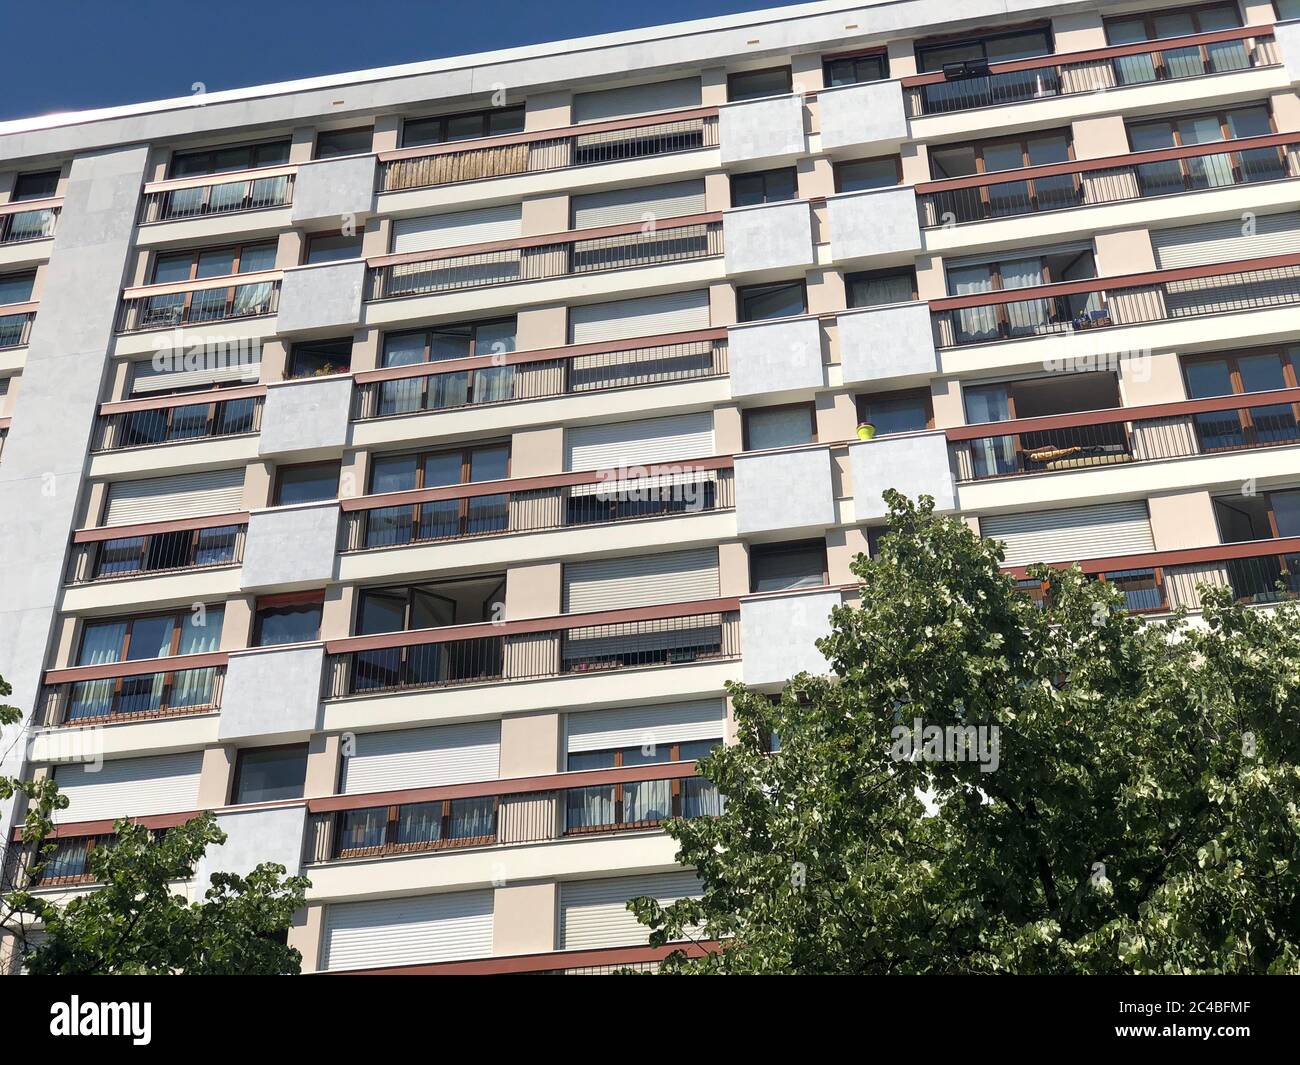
252,299
473,818
1029,317
590,807
650,800
974,323
494,385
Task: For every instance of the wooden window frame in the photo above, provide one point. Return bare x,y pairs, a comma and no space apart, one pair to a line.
1001,312
808,407
1225,137
828,61
466,466
214,406
448,329
1288,355
862,402
389,843
443,120
1022,141
195,254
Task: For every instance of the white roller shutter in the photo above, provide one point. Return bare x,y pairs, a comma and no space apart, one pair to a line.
423,757
1072,533
615,206
641,580
146,379
634,726
1226,241
407,931
650,440
130,787
428,232
186,495
594,913
628,100
646,316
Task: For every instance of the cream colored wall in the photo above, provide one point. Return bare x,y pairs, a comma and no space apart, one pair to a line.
1153,378
524,918
548,110
541,327
305,934
322,765
336,614
842,547
530,744
733,568
216,775
544,214
1078,31
1183,519
837,416
537,452
1099,137
533,590
1124,251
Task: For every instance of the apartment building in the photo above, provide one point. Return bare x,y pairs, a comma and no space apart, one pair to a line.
399,464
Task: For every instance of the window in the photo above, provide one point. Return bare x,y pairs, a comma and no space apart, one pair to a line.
757,303
483,384
786,426
780,567
1202,127
1176,62
175,267
1006,197
332,247
470,126
1287,9
1004,153
755,84
268,774
766,186
429,606
16,288
438,519
640,803
312,482
1174,22
863,174
294,621
1027,317
1240,374
227,159
990,48
337,142
1266,516
897,412
318,358
1207,171
38,186
851,70
462,340
876,288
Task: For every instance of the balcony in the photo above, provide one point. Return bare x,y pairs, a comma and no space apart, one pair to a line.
320,298
569,645
272,693
891,342
776,236
157,548
1074,307
1288,42
1138,175
291,547
521,375
333,189
307,417
494,813
1136,434
16,324
534,504
603,961
68,864
783,356
172,419
780,630
914,463
869,116
788,490
1098,70
878,224
555,149
132,691
618,247
27,220
200,197
218,299
770,130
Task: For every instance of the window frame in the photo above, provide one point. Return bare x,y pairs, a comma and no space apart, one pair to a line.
764,175
965,37
740,74
862,401
857,276
18,197
312,238
744,292
1148,19
1289,357
443,120
251,147
881,54
838,168
292,601
280,471
408,590
325,133
237,776
239,247
303,347
446,329
808,406
619,821
760,551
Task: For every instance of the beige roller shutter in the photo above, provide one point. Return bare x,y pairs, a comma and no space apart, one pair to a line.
628,100
130,787
640,580
407,931
614,445
185,495
1226,241
146,379
615,206
423,757
646,316
635,726
594,913
1072,533
428,232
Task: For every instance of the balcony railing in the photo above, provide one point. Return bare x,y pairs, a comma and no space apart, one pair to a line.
16,324
520,375
127,691
1119,66
1136,434
533,504
1133,299
503,812
617,247
195,416
1060,186
672,634
26,220
524,153
199,302
601,961
157,548
254,190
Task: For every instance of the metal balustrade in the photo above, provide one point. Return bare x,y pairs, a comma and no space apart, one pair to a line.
144,553
16,328
188,685
33,223
219,195
198,305
208,417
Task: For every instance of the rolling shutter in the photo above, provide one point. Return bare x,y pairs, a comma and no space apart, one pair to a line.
407,931
130,787
647,316
628,100
615,206
1073,533
428,232
641,580
186,495
148,380
633,726
617,444
594,913
1222,242
423,757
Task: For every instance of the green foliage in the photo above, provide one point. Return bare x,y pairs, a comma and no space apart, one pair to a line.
1143,816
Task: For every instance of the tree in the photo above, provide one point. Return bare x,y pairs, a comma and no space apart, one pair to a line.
134,923
1138,810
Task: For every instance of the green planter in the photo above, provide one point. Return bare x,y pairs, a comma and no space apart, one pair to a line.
866,431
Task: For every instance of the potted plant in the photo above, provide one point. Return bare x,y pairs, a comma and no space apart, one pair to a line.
866,431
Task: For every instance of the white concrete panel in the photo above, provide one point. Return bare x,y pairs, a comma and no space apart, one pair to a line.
914,464
320,298
774,236
309,415
779,634
881,343
784,490
876,223
868,117
272,694
291,547
334,190
775,357
767,130
274,834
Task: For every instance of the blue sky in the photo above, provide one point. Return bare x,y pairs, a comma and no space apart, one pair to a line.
64,55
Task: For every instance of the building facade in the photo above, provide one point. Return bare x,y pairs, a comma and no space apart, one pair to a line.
399,464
